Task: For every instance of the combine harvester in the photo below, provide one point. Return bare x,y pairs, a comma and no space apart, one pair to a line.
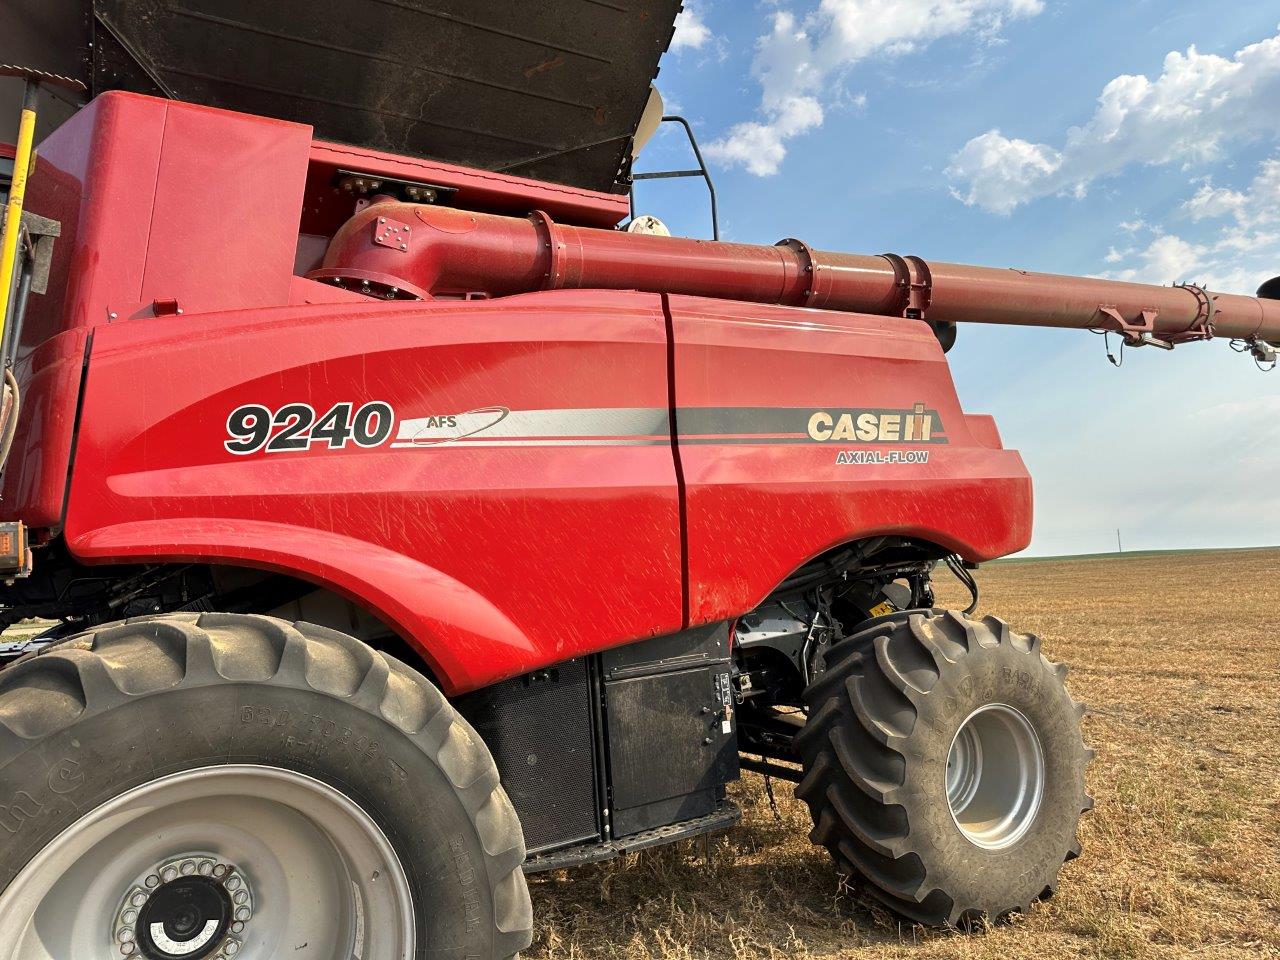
410,527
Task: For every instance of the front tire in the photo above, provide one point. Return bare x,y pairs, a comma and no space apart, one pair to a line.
944,766
198,786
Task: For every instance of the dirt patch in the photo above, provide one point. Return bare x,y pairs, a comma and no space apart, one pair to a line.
1178,657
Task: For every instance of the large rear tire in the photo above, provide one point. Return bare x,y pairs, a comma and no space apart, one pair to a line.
944,766
201,786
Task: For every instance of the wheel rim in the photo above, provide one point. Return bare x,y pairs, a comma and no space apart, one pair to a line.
995,776
249,862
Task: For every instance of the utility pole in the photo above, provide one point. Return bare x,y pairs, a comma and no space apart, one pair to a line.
1119,547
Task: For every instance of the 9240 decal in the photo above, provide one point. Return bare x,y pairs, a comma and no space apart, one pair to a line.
295,427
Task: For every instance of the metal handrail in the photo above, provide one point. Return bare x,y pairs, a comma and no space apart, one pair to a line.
670,174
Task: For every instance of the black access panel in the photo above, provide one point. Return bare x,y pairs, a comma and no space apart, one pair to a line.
670,728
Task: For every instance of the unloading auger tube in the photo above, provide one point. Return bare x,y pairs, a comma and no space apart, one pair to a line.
402,250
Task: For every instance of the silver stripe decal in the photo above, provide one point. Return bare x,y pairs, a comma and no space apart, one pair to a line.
468,444
547,427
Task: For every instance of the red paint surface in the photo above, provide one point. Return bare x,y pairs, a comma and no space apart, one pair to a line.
495,560
499,560
756,512
157,200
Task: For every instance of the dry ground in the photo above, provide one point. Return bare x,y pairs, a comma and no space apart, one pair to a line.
1178,656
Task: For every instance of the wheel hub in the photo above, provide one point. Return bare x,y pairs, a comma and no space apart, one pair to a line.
188,908
995,776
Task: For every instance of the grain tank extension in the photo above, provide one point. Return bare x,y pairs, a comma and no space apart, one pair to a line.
402,520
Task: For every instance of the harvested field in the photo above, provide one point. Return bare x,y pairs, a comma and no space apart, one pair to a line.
1178,657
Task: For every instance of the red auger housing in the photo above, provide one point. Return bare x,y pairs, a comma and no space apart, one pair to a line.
429,251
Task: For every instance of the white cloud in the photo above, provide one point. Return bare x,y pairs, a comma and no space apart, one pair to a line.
801,59
1257,205
1187,115
1010,170
1235,256
692,33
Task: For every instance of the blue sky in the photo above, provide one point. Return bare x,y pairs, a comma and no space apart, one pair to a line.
1139,140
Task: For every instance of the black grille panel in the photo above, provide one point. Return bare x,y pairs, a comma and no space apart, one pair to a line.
538,728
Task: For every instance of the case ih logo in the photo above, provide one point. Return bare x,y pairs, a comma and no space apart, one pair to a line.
916,425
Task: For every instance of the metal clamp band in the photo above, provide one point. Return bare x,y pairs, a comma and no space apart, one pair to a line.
914,281
549,233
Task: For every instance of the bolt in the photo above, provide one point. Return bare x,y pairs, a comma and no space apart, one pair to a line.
188,868
127,949
115,316
404,246
152,881
233,882
237,927
125,935
231,949
382,219
138,899
243,913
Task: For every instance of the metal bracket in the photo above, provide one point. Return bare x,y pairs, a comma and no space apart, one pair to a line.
371,184
914,282
1141,333
38,235
393,233
1135,334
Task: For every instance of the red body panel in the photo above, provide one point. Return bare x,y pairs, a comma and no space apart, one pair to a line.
757,511
158,200
495,560
530,502
496,555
